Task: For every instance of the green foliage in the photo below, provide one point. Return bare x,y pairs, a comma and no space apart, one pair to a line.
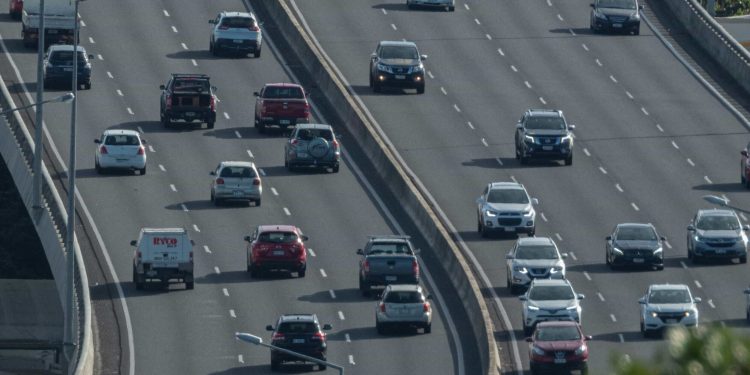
711,350
728,8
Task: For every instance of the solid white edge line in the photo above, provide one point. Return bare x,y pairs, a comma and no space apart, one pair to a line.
459,356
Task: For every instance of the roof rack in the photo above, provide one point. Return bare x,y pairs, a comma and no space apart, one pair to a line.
394,236
190,75
544,110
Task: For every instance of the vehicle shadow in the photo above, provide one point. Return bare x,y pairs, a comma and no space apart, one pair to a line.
733,323
108,291
392,7
369,333
192,54
15,45
91,173
196,205
5,17
18,87
577,30
342,295
242,276
281,171
474,236
247,132
732,187
365,90
287,368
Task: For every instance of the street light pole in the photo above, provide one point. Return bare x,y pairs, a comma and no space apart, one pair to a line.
69,346
259,341
36,198
59,99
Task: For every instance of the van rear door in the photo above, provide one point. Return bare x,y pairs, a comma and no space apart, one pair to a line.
166,250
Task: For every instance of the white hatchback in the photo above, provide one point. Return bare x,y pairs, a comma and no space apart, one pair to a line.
236,180
120,149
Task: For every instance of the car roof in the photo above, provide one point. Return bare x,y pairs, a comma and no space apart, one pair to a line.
544,282
298,318
535,241
238,164
237,14
397,43
545,112
314,126
635,225
282,84
668,287
506,185
282,228
164,230
558,323
389,238
716,212
405,287
121,132
64,47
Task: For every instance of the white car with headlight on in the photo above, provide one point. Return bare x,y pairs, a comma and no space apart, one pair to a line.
506,207
549,300
666,305
533,258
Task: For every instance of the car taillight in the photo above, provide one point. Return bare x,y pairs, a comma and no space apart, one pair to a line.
278,336
426,307
307,110
335,144
213,103
168,102
254,28
415,268
366,266
103,150
294,141
382,307
256,181
219,181
318,336
141,151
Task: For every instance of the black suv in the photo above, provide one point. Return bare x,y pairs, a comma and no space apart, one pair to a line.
299,333
188,97
616,15
544,133
635,244
397,64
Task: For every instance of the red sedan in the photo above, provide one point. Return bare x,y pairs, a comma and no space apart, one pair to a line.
558,345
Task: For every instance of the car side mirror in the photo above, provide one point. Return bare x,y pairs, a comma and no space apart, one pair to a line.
248,239
534,201
588,337
373,56
580,296
327,327
257,94
529,339
663,238
519,126
133,243
640,6
746,227
269,328
690,228
429,296
212,173
642,301
360,252
509,256
743,153
212,22
479,200
423,57
417,251
214,88
305,238
608,238
522,298
697,300
144,141
571,126
162,87
97,141
91,57
592,5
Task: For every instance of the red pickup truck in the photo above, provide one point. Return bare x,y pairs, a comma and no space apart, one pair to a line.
282,104
15,9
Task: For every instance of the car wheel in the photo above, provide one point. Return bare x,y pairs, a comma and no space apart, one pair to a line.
137,280
370,80
142,170
322,367
210,124
364,288
514,289
210,47
301,273
606,259
451,8
743,260
217,201
527,331
275,365
532,233
257,53
689,254
569,160
189,285
660,268
336,168
97,167
637,30
585,369
518,153
420,89
215,51
379,328
524,160
747,316
87,86
257,203
254,272
376,86
483,231
166,121
695,259
261,127
428,328
747,183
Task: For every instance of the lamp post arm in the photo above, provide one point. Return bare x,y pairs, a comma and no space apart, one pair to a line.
305,357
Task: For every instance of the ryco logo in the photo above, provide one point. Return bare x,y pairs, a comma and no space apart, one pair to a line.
169,242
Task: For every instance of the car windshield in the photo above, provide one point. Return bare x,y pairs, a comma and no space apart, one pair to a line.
237,22
545,123
399,52
66,57
507,196
278,237
669,296
551,293
536,252
715,222
559,333
238,172
618,4
636,234
297,327
283,92
389,248
310,134
191,85
403,297
121,140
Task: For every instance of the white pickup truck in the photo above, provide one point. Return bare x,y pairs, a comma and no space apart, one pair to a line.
59,22
163,254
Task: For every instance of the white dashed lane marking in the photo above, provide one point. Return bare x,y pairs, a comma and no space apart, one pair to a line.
622,337
217,270
619,188
572,32
471,126
587,276
675,145
442,89
603,170
572,255
250,154
466,6
513,68
542,215
286,211
629,94
500,51
698,284
586,151
598,62
711,303
541,99
174,188
312,253
140,130
497,159
351,360
612,316
184,46
527,84
237,134
394,27
743,216
477,21
262,172
384,11
634,206
232,313
669,245
332,293
559,17
455,106
226,116
109,74
347,337
166,14
130,111
239,358
195,63
601,297
151,148
273,190
225,291
660,128
429,73
707,179
91,40
484,142
120,92
83,24
341,315
683,265
645,112
585,47
195,227
690,162
206,249
323,273
162,168
612,78
559,237
184,207
549,3
174,29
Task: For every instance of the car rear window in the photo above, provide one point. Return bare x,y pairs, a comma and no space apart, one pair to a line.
310,134
278,237
191,85
403,297
399,52
389,248
60,57
564,333
507,196
551,293
286,92
536,252
545,123
297,327
121,140
237,22
238,172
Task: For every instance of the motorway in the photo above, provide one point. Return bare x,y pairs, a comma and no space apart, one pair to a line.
650,141
137,44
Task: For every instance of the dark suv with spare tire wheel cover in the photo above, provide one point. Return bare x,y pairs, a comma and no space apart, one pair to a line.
312,145
300,333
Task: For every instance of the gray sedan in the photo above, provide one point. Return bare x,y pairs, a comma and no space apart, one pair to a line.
403,305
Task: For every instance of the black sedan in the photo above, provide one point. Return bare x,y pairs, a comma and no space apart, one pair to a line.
616,16
633,244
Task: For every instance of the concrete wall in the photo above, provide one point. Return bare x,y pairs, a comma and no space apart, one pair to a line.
399,180
712,37
16,147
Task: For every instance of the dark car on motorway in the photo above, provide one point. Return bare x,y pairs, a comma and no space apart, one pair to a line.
558,346
188,98
397,64
276,247
745,167
58,66
616,16
717,233
300,333
544,134
634,244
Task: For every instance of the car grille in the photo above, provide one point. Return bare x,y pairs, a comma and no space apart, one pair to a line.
637,253
509,221
676,316
618,19
722,242
548,140
538,272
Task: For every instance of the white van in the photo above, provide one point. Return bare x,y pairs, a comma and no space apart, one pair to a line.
163,254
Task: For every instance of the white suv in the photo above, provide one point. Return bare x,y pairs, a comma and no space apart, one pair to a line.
666,305
533,258
549,299
506,207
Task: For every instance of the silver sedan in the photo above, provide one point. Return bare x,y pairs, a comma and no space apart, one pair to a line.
403,305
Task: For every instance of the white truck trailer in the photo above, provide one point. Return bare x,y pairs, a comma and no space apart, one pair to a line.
59,22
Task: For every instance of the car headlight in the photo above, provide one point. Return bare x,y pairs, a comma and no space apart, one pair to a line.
567,139
520,269
556,269
600,16
635,16
417,68
617,251
528,212
529,139
698,238
659,252
687,313
581,349
533,308
653,314
537,350
570,308
490,213
384,68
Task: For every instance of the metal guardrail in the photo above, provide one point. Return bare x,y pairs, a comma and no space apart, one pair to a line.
16,146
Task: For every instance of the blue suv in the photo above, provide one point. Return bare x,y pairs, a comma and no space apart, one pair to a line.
58,66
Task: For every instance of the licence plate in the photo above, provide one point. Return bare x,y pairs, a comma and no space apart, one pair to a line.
391,278
301,154
509,229
560,360
284,122
637,260
51,31
720,251
298,341
278,252
189,114
122,160
547,148
237,193
238,41
671,321
616,25
399,76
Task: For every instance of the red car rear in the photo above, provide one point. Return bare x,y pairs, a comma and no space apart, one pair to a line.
282,104
277,248
558,345
15,8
